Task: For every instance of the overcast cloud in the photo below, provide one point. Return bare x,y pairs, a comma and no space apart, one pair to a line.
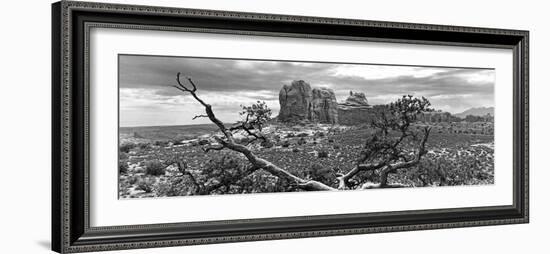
147,97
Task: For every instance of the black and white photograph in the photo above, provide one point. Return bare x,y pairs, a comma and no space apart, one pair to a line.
309,127
211,126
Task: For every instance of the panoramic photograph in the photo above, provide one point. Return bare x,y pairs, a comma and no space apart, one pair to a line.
213,126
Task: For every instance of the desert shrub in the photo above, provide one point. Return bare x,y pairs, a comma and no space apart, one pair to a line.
133,180
145,185
322,154
223,166
302,141
123,166
126,147
139,170
175,186
161,143
203,142
331,140
461,166
243,141
290,135
285,143
144,146
230,170
163,189
262,182
123,156
267,143
227,174
322,174
154,168
301,135
336,147
296,150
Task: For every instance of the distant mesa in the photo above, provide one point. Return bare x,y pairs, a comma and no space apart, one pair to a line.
481,111
436,116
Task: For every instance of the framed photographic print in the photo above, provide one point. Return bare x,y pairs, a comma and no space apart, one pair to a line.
181,126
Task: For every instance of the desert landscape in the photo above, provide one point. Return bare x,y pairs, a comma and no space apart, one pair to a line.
314,143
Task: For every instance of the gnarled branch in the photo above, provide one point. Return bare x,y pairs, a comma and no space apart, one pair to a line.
253,159
199,116
392,168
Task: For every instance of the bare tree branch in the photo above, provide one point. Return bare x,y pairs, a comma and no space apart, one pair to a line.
182,168
380,155
210,148
199,116
391,158
183,87
392,168
344,179
256,161
207,107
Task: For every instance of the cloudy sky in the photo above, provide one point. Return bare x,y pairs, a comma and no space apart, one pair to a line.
147,97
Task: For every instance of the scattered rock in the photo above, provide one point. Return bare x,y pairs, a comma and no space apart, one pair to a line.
285,143
267,144
322,154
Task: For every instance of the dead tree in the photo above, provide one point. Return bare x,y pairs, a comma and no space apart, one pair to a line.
386,152
226,141
382,155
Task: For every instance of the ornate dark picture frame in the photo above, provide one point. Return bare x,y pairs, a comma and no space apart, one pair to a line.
71,231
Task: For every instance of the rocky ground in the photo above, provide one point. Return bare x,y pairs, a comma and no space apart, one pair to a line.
462,152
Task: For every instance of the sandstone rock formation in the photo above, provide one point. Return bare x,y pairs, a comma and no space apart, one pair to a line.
355,110
324,107
301,103
295,101
357,99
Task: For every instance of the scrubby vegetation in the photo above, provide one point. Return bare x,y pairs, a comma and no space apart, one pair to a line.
258,155
154,168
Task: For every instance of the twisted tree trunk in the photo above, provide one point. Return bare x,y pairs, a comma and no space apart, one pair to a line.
228,142
385,166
